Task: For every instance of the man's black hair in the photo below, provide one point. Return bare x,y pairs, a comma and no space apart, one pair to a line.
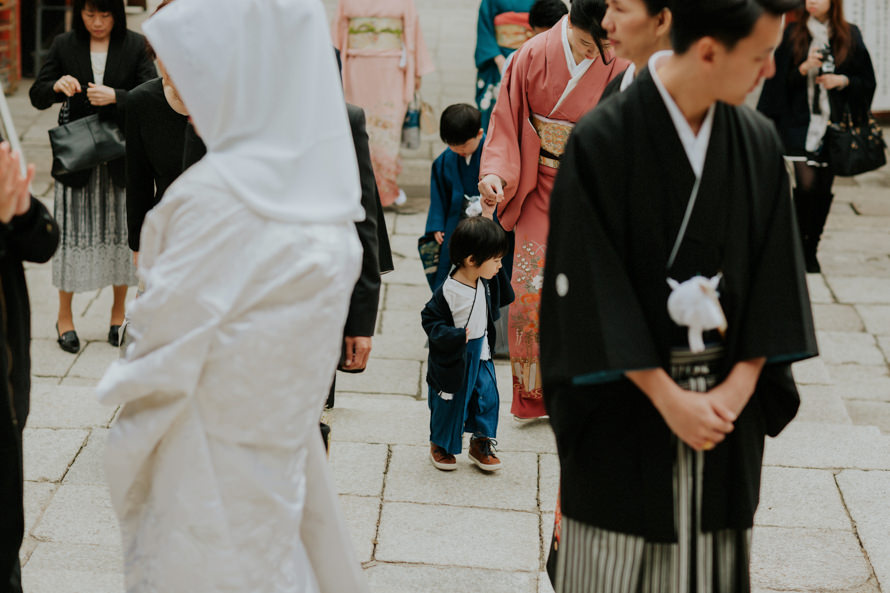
653,7
727,21
477,237
546,13
115,7
459,123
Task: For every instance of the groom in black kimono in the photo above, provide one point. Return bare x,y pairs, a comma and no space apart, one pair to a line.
672,179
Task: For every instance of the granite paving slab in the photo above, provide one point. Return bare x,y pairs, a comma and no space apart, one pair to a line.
822,403
359,468
834,317
37,497
797,559
818,289
79,514
876,318
386,376
361,514
407,298
849,347
365,418
828,446
412,478
871,413
412,578
63,406
89,466
794,497
866,495
49,452
811,371
458,536
71,581
860,290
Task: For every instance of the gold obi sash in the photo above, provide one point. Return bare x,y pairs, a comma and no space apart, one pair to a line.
554,135
511,29
376,33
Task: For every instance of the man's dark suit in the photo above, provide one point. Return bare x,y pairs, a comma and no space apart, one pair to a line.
376,254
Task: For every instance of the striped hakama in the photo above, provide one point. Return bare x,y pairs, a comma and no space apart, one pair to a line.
594,560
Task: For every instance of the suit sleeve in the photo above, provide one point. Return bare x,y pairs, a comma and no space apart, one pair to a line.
32,236
140,181
365,300
145,71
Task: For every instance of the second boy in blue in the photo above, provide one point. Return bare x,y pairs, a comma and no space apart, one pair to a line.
454,178
459,320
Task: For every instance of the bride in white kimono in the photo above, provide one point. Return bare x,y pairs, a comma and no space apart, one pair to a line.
215,463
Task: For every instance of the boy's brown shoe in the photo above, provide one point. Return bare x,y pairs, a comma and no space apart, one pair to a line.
482,454
441,458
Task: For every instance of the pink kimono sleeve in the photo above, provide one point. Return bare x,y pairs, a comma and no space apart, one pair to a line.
510,151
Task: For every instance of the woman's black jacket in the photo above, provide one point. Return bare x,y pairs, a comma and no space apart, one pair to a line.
128,65
784,97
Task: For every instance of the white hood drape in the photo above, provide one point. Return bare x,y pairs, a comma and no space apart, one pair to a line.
260,81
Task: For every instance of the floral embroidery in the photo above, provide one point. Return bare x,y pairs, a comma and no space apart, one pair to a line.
524,328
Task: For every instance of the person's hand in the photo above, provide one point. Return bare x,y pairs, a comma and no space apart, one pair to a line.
500,61
813,62
487,209
491,188
358,348
467,330
417,83
439,236
67,85
699,420
99,95
135,259
15,193
832,81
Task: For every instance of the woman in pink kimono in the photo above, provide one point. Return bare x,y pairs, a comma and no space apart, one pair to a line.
554,79
384,56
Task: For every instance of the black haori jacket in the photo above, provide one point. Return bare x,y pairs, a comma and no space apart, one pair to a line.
30,237
448,344
615,212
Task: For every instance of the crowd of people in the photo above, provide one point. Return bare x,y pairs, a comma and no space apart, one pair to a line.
653,335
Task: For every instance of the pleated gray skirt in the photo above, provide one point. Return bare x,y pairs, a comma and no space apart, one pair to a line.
93,250
594,560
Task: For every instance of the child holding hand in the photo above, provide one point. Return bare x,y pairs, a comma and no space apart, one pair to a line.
459,321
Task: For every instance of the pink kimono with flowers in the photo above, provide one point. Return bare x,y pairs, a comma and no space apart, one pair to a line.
382,49
531,122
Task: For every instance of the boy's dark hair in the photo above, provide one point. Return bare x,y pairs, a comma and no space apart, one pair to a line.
459,124
115,7
477,237
546,13
587,16
727,21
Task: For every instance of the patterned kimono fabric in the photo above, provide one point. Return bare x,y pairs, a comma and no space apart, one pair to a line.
594,560
502,28
383,51
539,102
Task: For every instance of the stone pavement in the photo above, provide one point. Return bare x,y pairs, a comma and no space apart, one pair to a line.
824,519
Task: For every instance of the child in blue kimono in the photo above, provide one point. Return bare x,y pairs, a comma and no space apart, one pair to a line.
454,180
459,321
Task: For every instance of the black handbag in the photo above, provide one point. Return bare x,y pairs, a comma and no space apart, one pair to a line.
853,149
84,143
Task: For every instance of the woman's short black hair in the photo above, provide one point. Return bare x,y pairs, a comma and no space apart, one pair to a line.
477,237
727,21
115,7
459,123
544,14
587,15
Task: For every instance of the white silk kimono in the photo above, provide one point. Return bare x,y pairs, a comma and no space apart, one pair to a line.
215,463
